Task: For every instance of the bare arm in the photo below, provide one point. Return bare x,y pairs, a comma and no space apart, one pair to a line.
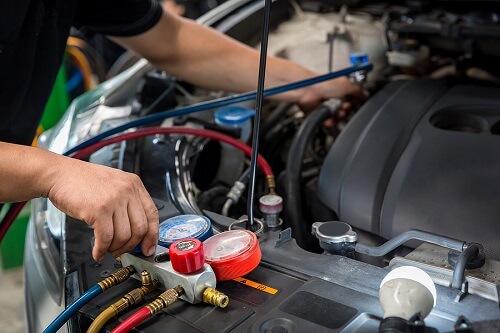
113,202
210,59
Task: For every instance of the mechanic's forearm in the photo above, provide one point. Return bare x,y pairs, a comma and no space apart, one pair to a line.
210,59
26,172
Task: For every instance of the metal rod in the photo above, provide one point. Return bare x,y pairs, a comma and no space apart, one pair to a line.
258,112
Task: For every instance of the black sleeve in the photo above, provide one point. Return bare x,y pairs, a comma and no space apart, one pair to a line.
117,17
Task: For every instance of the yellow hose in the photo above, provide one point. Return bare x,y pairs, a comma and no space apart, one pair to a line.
75,41
131,298
102,319
83,64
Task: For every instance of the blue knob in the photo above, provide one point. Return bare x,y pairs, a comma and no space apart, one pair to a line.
358,58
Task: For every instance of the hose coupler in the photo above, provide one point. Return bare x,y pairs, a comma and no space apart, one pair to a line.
165,299
116,277
215,297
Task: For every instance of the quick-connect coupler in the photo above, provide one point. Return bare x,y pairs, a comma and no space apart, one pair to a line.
359,58
116,277
215,297
165,299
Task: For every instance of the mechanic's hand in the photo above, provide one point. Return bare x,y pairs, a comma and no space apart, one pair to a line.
113,202
341,87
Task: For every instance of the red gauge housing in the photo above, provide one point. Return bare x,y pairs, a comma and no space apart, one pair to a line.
186,255
232,253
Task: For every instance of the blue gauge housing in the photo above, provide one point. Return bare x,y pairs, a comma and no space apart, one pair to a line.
184,226
179,227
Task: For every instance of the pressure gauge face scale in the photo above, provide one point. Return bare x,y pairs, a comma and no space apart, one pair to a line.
184,226
232,253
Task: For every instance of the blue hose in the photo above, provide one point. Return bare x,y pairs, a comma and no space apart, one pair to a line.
238,98
74,81
73,308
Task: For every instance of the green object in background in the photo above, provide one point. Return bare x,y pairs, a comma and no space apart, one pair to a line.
12,246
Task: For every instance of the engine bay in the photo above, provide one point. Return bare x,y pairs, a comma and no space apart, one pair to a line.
421,153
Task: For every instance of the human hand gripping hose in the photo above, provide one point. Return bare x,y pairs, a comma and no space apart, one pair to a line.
115,278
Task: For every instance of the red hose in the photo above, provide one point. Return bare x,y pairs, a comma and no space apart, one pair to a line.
135,319
14,210
176,130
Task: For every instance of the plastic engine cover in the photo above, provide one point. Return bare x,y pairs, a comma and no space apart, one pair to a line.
422,154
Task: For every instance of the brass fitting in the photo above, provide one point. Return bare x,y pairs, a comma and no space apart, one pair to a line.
271,184
215,297
146,278
132,298
116,277
165,299
119,305
137,295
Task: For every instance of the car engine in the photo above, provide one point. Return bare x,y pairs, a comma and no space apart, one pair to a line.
408,177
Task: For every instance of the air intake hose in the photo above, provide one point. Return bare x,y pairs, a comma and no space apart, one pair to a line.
293,201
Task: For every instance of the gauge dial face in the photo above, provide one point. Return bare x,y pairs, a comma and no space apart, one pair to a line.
182,226
228,245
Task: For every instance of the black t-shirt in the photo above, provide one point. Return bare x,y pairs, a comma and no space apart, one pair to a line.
33,36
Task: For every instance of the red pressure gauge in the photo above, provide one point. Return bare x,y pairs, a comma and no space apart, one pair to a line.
186,255
232,253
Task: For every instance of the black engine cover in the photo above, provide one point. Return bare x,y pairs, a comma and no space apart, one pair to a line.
422,154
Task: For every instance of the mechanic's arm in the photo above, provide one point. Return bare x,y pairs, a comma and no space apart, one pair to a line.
113,202
205,57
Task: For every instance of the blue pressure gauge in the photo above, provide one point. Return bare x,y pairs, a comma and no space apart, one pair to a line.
184,226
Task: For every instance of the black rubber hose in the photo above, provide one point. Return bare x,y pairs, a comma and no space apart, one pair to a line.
400,239
275,116
469,253
293,202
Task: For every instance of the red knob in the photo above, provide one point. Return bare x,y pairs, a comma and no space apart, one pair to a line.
186,255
